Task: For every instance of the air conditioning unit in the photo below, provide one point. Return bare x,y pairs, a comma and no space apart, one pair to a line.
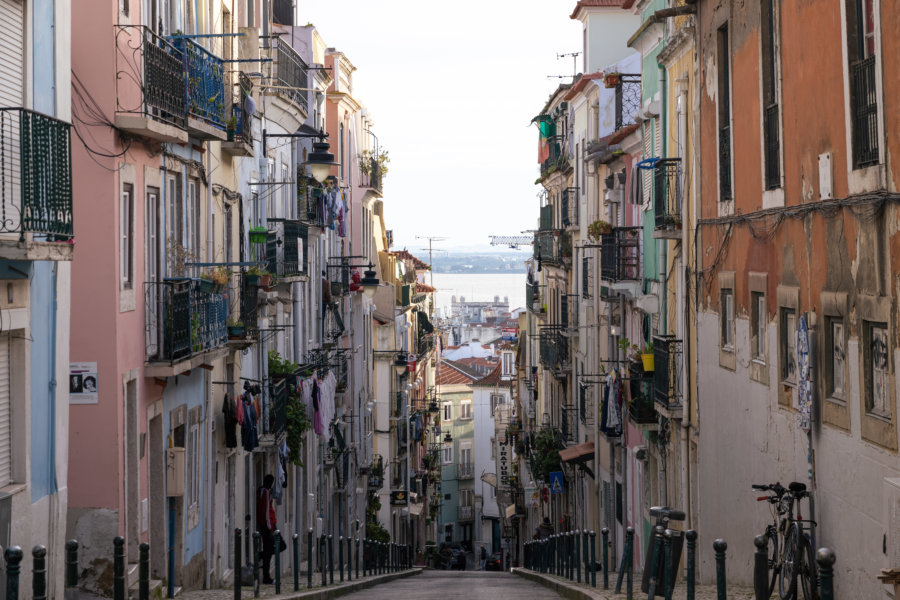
640,453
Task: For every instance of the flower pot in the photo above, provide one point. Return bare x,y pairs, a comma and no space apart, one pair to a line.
206,286
252,279
265,280
647,359
258,235
236,331
230,133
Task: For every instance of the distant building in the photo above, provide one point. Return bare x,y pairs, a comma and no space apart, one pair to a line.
470,312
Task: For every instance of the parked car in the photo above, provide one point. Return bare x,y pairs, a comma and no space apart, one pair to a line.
493,563
459,559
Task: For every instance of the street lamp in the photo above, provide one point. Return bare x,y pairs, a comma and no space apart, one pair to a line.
448,438
320,160
400,364
369,283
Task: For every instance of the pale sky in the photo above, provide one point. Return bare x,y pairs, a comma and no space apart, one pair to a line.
452,87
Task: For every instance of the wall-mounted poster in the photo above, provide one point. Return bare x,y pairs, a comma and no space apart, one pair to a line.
83,383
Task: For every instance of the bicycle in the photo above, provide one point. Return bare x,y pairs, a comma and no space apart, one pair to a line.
792,558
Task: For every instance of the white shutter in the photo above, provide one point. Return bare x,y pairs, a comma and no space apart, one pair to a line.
5,458
647,135
12,48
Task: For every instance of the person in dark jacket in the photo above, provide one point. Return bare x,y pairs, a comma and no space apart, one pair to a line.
266,523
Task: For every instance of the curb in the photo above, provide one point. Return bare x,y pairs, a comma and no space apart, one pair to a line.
341,589
571,591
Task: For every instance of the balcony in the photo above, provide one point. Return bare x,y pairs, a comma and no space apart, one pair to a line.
642,410
554,348
183,323
628,99
568,311
667,358
151,99
424,345
204,73
533,298
290,76
310,201
35,186
465,470
376,473
465,513
546,248
370,174
286,249
667,195
864,107
273,421
570,207
620,255
557,158
240,136
249,308
546,220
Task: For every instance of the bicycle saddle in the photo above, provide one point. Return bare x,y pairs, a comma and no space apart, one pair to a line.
673,514
796,486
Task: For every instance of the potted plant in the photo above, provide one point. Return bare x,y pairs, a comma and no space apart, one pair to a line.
611,80
647,357
206,285
632,351
235,329
231,127
258,235
253,275
599,228
220,277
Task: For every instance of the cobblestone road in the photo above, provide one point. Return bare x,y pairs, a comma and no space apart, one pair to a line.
453,585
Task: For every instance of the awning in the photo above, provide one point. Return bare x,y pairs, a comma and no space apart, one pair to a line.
578,454
490,479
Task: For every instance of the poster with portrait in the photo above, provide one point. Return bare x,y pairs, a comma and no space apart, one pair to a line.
83,383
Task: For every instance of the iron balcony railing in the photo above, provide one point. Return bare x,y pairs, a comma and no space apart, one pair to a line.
569,311
570,207
725,192
641,409
286,248
667,359
628,100
465,470
204,78
183,321
465,513
556,156
620,254
546,221
150,76
249,309
667,193
274,417
310,202
291,74
243,88
425,345
533,298
35,175
864,107
554,347
772,147
546,247
376,473
372,176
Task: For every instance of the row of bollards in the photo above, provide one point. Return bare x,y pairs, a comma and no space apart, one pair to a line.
563,554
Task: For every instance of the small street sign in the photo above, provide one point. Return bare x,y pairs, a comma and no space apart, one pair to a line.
556,482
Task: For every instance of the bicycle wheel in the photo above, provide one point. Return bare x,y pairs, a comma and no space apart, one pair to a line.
772,536
808,574
787,576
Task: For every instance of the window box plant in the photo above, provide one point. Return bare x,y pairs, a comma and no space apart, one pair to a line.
235,329
258,235
231,127
647,357
253,276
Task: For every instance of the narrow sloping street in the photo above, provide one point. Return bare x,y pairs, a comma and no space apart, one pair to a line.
450,585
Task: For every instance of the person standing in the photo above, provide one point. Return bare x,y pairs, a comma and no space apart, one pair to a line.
483,558
266,523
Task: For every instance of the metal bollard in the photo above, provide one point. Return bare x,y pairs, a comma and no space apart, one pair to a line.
322,561
277,545
667,564
357,559
593,559
13,556
365,558
654,562
39,573
585,555
825,559
605,535
570,544
330,558
71,563
237,563
349,559
577,539
119,568
144,571
691,537
341,557
256,566
720,546
761,567
295,548
309,559
629,563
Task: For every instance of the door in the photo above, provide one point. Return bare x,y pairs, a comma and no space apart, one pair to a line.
157,498
132,472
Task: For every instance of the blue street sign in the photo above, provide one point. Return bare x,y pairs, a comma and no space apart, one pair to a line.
556,482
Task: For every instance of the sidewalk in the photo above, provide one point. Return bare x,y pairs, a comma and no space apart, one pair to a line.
575,591
317,592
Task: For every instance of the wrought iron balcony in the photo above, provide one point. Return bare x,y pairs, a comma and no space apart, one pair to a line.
465,513
240,140
249,308
204,73
150,84
183,321
667,193
641,410
628,100
533,298
310,202
425,345
667,359
771,127
554,348
570,207
556,157
291,74
286,248
620,254
35,175
465,470
376,473
371,177
546,248
725,192
273,421
569,311
864,107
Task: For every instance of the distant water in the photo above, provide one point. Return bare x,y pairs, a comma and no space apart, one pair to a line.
480,287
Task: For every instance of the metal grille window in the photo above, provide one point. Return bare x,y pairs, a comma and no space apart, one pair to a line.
863,93
727,318
126,242
724,55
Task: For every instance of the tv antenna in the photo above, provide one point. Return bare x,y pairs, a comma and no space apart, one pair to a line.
574,74
431,240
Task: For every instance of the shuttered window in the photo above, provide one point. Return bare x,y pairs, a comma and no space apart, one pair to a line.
12,46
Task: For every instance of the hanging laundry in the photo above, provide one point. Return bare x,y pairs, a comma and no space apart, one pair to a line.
229,411
280,474
317,412
249,434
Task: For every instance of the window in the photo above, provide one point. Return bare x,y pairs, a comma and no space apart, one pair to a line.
270,189
448,496
861,46
192,223
496,400
465,455
724,64
507,364
466,497
727,317
448,454
448,411
758,326
836,356
465,409
151,223
787,337
126,242
877,369
770,63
